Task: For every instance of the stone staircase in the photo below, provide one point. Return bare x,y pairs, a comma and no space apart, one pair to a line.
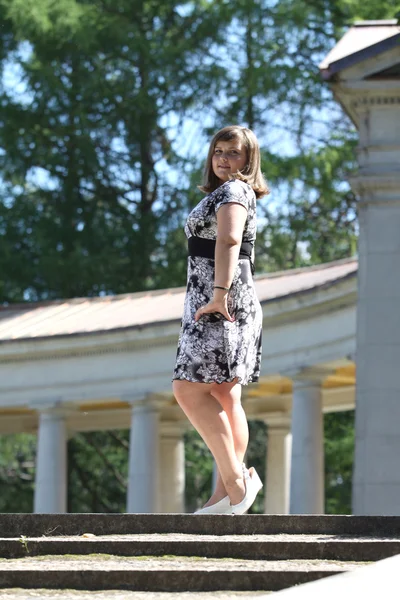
185,553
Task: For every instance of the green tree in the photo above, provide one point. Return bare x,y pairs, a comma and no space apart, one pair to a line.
274,86
98,471
339,457
17,472
86,143
319,222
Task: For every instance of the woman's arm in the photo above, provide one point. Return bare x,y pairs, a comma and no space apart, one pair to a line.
231,219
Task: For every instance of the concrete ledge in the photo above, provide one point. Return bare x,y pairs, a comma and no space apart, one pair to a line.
36,525
380,580
230,547
158,581
52,594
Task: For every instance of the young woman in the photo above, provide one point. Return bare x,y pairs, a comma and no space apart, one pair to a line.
219,347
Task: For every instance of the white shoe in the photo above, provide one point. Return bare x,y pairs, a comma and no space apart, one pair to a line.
223,507
253,486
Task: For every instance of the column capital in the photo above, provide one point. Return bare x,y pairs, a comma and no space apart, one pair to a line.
279,424
173,429
307,376
376,188
278,430
56,408
146,404
366,95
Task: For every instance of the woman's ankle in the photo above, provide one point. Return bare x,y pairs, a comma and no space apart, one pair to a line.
236,489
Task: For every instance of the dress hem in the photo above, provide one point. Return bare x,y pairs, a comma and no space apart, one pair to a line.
240,380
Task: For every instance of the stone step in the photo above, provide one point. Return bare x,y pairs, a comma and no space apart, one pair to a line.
34,525
53,594
172,574
255,547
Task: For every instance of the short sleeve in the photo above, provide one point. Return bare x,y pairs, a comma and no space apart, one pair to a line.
233,191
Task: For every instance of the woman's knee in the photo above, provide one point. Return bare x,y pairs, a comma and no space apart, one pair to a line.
186,392
179,389
227,397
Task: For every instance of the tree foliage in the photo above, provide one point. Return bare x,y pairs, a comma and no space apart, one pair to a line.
339,457
17,472
85,143
98,471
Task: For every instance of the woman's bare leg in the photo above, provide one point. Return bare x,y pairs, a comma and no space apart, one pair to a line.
211,421
229,397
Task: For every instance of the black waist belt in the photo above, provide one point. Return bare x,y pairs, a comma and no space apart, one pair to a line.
198,246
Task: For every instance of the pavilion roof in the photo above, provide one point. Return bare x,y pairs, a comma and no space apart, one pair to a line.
365,39
79,316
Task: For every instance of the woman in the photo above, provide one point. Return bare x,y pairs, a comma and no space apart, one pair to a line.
219,347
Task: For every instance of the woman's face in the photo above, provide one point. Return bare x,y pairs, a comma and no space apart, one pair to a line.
228,157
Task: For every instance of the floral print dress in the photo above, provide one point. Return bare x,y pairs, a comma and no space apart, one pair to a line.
214,350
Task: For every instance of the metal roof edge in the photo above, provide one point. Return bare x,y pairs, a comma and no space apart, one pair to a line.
363,54
307,269
158,292
322,286
174,321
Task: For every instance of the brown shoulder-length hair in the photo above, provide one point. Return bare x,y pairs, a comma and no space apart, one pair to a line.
251,173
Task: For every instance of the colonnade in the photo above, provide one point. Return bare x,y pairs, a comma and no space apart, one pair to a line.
156,481
294,478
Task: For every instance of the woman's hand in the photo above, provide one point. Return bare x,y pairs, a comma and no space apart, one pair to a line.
219,304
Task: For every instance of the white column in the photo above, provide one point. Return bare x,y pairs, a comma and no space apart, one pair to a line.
143,458
376,473
214,477
307,467
277,476
172,469
51,463
367,90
